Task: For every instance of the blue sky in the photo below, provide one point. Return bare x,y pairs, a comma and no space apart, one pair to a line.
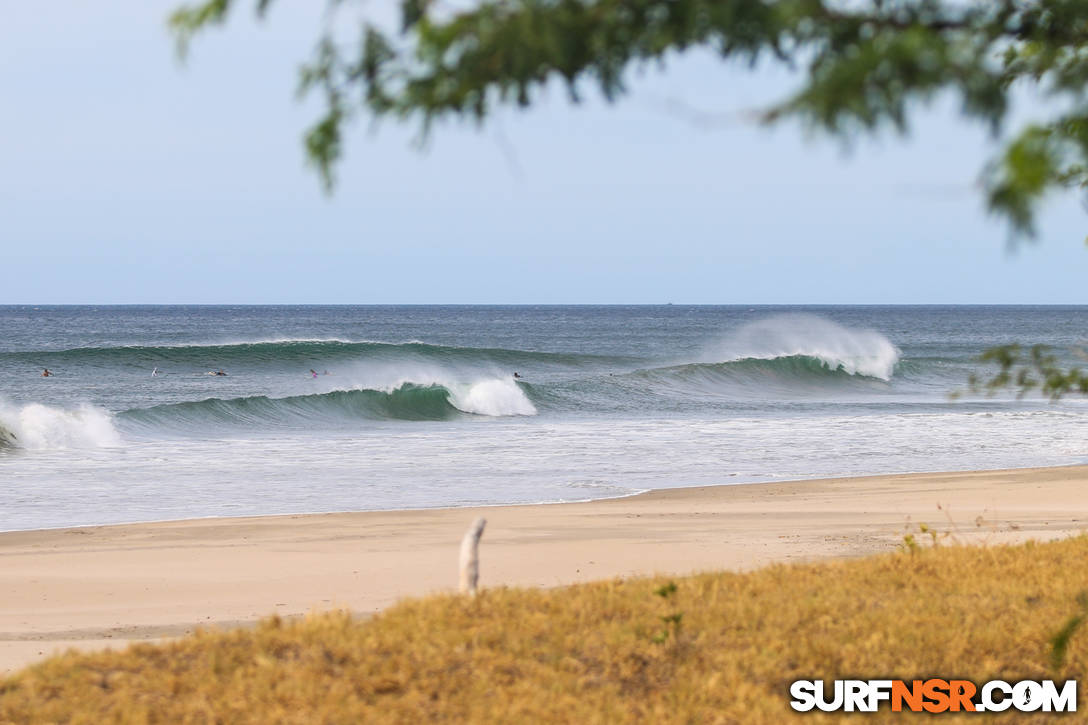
128,178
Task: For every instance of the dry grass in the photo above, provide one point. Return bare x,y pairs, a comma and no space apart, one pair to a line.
601,653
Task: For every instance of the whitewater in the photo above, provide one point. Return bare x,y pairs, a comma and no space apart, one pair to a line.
364,408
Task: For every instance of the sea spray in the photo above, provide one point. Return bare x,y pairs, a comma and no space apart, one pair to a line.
41,427
495,397
854,351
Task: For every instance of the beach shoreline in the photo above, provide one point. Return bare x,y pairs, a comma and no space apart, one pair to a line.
96,586
483,507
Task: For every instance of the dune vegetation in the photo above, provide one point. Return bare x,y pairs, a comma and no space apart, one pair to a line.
717,647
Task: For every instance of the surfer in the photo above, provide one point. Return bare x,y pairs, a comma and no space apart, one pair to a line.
217,373
516,376
154,372
46,373
313,372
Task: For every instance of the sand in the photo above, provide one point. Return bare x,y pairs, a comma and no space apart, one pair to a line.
107,586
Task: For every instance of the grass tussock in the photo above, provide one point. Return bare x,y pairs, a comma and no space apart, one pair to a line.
713,648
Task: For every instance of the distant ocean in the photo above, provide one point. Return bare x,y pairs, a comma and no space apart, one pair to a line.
411,407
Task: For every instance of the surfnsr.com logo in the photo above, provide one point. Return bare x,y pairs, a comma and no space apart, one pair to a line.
934,695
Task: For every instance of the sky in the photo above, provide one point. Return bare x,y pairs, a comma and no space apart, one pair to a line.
127,177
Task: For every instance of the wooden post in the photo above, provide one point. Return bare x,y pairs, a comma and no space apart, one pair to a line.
470,557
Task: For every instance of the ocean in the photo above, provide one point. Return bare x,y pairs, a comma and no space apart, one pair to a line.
365,408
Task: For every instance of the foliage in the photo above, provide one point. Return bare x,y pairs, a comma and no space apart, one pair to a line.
865,65
1037,369
671,620
586,653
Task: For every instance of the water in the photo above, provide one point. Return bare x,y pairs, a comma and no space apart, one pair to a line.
419,406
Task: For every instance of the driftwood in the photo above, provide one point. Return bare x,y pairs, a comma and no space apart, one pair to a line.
470,557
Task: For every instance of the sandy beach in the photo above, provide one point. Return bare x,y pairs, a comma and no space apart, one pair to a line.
107,586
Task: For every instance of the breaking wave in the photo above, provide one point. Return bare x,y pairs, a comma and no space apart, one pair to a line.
42,427
801,339
407,401
786,358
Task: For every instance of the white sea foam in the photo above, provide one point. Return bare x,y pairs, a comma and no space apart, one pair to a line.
494,397
855,351
42,427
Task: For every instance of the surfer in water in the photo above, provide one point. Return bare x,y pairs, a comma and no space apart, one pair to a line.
217,373
516,376
313,372
46,373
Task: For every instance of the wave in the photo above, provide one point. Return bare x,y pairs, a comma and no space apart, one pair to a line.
496,397
802,338
771,361
679,387
799,369
7,438
781,359
42,427
407,401
289,352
